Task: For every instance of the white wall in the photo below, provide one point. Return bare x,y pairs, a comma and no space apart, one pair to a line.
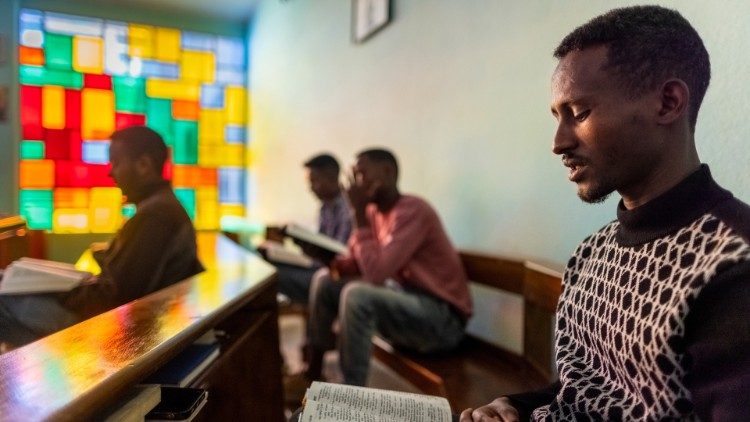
460,91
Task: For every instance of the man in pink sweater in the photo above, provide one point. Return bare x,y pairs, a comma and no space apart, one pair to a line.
402,278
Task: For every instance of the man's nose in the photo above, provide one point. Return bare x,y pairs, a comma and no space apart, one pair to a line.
564,139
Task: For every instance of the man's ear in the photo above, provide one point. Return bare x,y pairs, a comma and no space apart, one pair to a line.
144,165
675,98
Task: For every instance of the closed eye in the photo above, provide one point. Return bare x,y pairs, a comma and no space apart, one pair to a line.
582,115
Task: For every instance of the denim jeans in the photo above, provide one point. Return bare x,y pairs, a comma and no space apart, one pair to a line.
26,318
294,282
406,318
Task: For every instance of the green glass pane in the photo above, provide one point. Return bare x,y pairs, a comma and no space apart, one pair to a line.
185,148
159,118
32,150
187,199
36,208
130,94
58,51
128,210
35,75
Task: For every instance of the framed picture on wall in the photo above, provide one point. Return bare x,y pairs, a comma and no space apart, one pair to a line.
368,17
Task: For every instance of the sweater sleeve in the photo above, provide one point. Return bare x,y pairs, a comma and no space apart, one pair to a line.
136,258
379,260
717,336
525,403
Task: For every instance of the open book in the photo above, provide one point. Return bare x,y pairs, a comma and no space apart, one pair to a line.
276,252
326,402
320,240
29,275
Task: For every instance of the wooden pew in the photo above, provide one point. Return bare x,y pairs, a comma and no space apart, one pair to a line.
478,372
79,372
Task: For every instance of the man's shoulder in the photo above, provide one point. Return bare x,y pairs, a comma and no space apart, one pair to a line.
736,215
414,202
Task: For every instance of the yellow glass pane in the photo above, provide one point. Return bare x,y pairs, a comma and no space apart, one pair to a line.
53,107
232,155
174,90
70,220
141,39
235,100
198,66
209,155
71,197
211,127
167,45
88,54
233,210
105,215
207,209
98,113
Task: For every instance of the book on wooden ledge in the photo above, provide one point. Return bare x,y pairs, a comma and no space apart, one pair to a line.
325,402
185,367
30,275
277,253
316,239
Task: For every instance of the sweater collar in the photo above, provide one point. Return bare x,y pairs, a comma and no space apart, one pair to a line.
692,197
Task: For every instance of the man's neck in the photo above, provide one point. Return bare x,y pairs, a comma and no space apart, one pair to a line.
660,181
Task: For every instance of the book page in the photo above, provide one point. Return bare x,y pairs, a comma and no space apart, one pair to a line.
370,404
298,232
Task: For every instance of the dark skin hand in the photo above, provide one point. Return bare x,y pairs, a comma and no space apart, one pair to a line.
359,196
499,410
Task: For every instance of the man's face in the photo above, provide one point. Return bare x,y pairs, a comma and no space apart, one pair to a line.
323,184
123,168
606,138
372,177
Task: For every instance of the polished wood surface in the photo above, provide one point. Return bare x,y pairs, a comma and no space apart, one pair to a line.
73,374
500,273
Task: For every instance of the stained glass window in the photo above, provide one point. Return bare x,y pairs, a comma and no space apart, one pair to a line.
82,78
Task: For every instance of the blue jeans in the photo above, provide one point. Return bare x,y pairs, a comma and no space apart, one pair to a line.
294,282
26,318
406,318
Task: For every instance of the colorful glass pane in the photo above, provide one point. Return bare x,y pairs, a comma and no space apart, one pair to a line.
83,78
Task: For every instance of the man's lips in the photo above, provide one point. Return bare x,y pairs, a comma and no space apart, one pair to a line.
576,169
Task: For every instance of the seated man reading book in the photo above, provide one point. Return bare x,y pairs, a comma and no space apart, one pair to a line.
154,249
334,222
402,277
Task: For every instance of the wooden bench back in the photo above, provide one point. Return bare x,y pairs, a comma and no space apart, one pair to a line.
540,287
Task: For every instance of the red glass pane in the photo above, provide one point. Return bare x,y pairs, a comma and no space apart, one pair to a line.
72,109
31,112
62,144
123,120
72,174
167,171
97,81
99,175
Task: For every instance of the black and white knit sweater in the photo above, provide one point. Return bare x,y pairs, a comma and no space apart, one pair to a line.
654,319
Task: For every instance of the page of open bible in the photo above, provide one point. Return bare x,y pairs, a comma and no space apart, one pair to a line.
339,403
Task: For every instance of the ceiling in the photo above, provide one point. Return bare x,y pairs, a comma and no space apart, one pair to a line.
231,10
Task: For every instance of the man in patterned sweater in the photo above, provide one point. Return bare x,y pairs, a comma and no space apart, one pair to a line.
653,319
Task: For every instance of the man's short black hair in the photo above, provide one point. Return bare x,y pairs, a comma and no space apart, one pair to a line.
325,163
380,155
647,45
141,141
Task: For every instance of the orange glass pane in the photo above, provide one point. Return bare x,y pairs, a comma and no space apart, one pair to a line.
36,173
71,198
53,107
208,177
30,55
186,110
98,117
185,176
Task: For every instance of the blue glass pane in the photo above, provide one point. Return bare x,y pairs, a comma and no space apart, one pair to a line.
234,134
96,152
30,28
73,25
157,69
116,50
212,96
196,41
230,52
230,76
231,185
